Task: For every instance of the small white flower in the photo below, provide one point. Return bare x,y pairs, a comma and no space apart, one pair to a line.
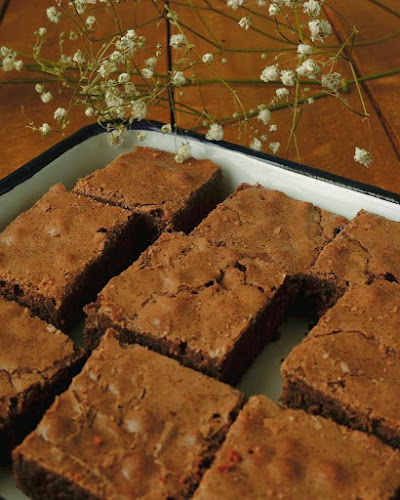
332,81
46,97
79,58
309,68
18,65
139,110
44,129
304,50
124,78
312,8
235,4
262,3
274,147
184,152
73,35
166,129
256,144
60,114
130,88
264,115
126,45
270,73
115,136
245,23
53,14
273,128
147,72
8,62
116,57
273,10
178,79
141,136
177,41
65,60
80,5
89,112
310,100
131,34
288,78
42,31
215,133
363,156
151,62
319,29
90,22
39,88
208,58
282,93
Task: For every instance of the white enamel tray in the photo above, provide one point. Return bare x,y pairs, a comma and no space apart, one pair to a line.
90,149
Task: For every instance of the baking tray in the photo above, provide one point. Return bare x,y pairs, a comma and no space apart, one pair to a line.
90,149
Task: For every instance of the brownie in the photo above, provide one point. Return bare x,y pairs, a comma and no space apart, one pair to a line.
271,226
278,453
37,361
133,424
368,247
169,195
55,257
210,307
348,367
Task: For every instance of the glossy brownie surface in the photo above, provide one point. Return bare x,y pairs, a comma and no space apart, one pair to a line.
271,226
150,182
190,299
33,355
348,366
274,452
133,424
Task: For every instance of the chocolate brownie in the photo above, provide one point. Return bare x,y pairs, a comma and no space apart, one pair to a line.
169,195
271,226
278,453
55,257
348,367
37,361
210,307
133,424
368,247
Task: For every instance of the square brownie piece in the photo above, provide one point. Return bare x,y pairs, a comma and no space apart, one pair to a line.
169,195
210,307
133,424
270,225
37,361
278,453
55,257
368,247
348,367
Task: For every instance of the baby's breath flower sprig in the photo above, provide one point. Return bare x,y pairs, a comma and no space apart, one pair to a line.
115,78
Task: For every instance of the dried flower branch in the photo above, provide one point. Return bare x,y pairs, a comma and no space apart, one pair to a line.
112,78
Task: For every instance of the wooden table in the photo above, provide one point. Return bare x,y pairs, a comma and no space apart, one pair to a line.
328,133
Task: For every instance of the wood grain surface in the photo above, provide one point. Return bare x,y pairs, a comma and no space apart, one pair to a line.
328,131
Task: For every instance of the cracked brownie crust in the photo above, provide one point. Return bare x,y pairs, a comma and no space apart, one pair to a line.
271,226
368,247
348,366
274,452
133,424
210,307
56,256
37,361
169,195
